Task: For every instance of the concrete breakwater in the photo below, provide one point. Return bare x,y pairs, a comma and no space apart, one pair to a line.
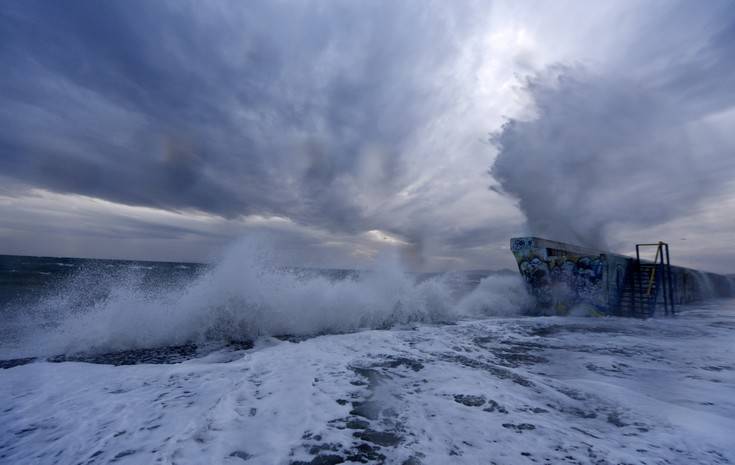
566,278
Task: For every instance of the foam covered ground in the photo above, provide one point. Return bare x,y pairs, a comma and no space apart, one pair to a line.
493,391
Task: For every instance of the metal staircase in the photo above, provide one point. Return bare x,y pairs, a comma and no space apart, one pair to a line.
648,285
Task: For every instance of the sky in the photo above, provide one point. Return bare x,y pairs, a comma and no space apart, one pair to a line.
340,130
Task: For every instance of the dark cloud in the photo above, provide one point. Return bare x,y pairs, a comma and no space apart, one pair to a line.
226,108
347,117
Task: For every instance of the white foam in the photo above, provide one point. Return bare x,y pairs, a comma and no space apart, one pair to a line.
608,390
247,295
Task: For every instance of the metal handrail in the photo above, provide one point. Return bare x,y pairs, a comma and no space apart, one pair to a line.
662,251
653,270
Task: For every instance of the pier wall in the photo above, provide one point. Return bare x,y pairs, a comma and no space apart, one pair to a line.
566,278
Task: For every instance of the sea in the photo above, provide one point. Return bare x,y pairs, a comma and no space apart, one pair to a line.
254,362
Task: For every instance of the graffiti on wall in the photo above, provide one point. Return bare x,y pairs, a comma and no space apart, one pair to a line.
519,244
559,282
562,277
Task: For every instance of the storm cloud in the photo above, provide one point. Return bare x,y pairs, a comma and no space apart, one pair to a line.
343,123
272,108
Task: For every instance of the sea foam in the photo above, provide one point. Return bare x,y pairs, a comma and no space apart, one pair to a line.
247,295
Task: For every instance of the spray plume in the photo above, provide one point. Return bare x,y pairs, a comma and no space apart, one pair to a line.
606,150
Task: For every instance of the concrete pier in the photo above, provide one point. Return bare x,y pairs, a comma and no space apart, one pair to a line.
566,278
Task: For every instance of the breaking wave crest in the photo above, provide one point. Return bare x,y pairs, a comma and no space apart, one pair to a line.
245,296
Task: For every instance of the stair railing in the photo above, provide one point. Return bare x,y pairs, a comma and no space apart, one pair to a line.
653,271
663,280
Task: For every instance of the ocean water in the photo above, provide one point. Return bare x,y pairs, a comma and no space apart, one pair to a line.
75,307
251,362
